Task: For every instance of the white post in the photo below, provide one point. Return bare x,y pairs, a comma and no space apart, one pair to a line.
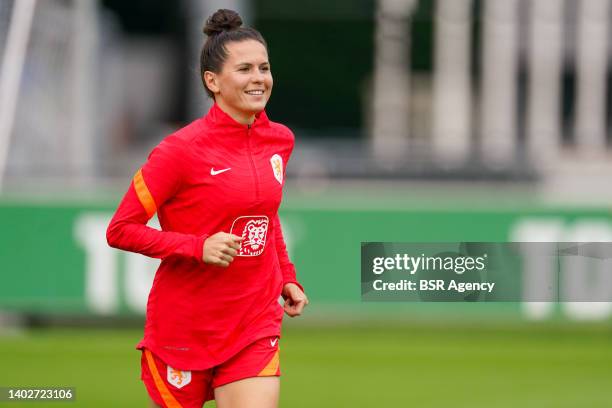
12,69
544,93
498,113
84,95
592,57
391,84
452,128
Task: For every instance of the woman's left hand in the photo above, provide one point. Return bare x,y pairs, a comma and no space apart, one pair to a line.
295,299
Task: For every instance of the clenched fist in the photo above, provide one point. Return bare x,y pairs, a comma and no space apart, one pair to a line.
295,299
220,249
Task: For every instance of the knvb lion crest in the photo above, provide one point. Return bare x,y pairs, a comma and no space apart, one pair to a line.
277,167
253,230
178,378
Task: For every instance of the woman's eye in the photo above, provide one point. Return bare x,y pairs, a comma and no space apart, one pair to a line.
265,69
244,69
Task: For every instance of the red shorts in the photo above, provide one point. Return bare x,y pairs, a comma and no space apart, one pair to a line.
169,387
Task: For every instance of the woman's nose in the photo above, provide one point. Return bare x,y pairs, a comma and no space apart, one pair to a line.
258,77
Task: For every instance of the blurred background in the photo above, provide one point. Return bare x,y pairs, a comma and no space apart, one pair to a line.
415,121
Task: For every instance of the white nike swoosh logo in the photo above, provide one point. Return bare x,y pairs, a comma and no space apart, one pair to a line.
214,172
273,342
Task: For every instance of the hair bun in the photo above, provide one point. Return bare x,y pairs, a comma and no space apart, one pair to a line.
222,20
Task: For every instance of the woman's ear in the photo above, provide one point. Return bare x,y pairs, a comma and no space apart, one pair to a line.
210,79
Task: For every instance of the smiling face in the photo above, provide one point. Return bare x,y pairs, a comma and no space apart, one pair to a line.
244,85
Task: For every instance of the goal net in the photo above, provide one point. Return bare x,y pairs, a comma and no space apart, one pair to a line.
47,57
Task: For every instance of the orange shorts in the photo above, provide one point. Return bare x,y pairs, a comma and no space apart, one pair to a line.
169,387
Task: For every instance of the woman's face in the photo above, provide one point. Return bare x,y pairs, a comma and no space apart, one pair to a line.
244,85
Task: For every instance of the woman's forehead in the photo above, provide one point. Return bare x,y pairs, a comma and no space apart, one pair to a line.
249,51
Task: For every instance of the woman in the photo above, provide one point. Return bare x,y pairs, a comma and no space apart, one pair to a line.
213,317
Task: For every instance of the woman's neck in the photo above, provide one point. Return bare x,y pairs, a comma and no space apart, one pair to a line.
243,119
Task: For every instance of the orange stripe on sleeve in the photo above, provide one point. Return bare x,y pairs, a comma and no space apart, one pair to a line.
165,393
271,368
144,195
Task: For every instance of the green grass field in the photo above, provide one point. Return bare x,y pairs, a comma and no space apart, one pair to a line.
354,366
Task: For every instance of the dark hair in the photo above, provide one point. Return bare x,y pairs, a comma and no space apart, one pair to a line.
222,27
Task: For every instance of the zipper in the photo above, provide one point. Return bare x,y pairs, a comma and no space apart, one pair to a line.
253,169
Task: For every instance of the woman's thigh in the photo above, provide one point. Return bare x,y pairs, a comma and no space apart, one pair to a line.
254,392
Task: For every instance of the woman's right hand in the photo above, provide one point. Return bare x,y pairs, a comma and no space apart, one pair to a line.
220,249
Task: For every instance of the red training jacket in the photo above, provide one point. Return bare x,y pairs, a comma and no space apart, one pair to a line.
212,175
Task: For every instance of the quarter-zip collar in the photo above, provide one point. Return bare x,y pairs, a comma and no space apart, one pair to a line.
217,117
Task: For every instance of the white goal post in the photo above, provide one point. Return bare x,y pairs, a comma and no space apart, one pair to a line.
48,91
18,33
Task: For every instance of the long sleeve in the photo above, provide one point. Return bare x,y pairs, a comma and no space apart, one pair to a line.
157,181
287,267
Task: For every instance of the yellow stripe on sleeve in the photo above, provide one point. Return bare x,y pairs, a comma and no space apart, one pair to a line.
144,195
165,393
